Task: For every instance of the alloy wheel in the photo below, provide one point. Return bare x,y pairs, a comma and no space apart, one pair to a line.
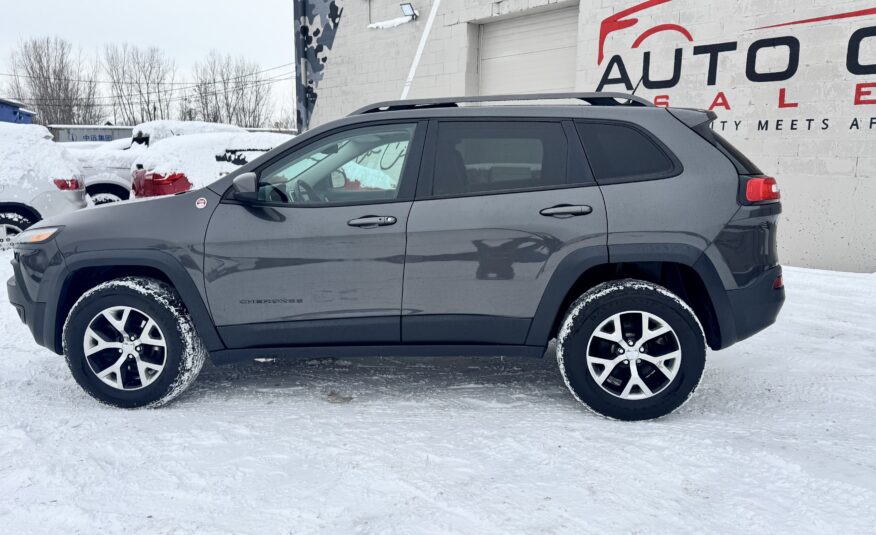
7,234
125,348
633,355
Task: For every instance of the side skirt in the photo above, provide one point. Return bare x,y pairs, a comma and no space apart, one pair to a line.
230,356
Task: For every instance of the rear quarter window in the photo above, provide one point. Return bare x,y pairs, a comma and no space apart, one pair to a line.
743,165
622,153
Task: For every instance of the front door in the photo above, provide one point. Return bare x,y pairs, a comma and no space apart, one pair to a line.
319,259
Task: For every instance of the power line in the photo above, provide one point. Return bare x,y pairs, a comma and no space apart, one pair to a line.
158,91
148,96
110,82
79,101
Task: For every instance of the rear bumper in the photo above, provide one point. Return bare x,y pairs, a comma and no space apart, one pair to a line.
52,203
756,306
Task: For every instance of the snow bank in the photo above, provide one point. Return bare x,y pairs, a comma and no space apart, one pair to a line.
368,177
158,130
81,146
30,160
777,440
196,155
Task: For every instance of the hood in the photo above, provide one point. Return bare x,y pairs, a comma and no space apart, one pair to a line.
173,224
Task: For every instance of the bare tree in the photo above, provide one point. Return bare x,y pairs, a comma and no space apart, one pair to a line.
284,118
231,90
59,85
142,82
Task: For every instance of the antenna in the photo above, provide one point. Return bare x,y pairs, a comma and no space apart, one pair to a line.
637,85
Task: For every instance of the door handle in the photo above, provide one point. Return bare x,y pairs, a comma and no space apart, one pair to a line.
566,210
372,221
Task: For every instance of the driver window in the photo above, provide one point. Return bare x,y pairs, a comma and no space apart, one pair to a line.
361,165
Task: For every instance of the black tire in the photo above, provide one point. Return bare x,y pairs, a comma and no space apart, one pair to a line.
12,223
182,357
628,300
107,193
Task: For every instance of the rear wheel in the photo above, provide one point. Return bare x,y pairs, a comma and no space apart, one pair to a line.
130,343
631,350
105,194
12,224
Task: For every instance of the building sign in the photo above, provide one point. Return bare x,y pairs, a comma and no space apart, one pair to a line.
778,54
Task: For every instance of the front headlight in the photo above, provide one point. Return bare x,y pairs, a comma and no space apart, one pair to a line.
36,236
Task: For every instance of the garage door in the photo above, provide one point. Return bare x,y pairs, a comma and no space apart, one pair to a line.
529,54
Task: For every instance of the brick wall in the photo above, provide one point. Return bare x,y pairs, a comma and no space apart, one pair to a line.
827,175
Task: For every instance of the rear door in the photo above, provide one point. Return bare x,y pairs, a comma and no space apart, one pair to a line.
500,204
319,259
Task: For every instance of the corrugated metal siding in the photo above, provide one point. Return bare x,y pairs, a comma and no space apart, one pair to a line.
528,54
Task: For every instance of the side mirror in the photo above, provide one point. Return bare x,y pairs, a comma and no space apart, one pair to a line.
245,187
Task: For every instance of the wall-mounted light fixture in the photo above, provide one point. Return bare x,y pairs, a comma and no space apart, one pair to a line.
408,10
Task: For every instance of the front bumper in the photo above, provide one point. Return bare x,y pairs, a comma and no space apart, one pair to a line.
38,270
30,312
756,306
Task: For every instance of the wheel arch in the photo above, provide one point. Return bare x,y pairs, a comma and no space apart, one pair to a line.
87,270
682,269
112,183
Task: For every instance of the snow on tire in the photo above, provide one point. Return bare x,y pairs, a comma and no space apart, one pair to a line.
631,350
131,343
11,224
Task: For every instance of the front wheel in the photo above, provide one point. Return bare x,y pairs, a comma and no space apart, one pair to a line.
631,350
11,225
130,343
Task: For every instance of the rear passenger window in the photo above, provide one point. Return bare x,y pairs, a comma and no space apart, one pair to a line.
619,153
490,156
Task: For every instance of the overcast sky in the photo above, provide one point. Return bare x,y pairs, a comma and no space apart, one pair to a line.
260,30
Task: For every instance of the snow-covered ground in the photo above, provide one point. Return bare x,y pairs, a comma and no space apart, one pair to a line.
780,439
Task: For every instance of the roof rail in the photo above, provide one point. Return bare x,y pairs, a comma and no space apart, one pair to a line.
594,99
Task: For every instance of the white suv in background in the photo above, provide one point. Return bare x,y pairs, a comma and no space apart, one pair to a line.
38,179
106,168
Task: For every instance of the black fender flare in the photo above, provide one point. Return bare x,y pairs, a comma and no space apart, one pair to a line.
568,271
579,262
175,272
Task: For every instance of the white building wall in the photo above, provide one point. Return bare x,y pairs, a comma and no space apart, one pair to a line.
828,176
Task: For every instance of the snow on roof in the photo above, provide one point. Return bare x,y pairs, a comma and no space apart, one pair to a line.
89,127
195,155
30,157
24,131
11,102
158,130
118,154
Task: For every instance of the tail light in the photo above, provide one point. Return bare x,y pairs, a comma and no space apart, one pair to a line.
65,184
761,189
160,179
779,283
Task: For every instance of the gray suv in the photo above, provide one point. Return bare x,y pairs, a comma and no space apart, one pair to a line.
633,235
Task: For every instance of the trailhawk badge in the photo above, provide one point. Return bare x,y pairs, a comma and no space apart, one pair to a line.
201,203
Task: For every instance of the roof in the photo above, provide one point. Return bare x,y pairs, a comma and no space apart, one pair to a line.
89,127
593,99
13,103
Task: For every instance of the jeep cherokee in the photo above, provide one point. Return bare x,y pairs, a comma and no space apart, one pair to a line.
633,235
